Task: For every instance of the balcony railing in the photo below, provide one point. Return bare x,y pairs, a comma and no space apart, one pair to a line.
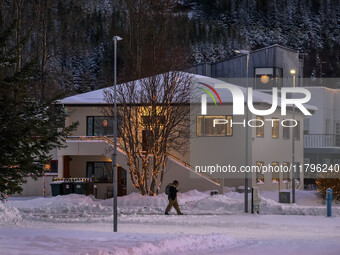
321,140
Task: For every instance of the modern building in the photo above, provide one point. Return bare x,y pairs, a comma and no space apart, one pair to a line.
267,67
88,151
322,130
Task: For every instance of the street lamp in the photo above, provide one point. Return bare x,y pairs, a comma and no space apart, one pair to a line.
114,155
246,52
292,72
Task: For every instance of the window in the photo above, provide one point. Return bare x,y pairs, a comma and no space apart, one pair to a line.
259,173
306,126
275,128
296,171
286,132
205,126
260,130
51,167
101,126
268,77
297,131
276,172
147,120
102,171
285,172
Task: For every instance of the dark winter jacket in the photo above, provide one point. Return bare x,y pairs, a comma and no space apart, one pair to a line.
173,192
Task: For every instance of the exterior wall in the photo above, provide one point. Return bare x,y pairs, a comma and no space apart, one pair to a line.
267,150
35,187
231,150
272,56
80,114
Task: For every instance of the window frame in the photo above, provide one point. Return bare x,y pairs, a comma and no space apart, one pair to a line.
93,122
227,126
261,173
278,128
273,172
283,132
285,173
297,128
93,163
260,128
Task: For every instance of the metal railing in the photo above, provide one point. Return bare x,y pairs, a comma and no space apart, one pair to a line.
321,140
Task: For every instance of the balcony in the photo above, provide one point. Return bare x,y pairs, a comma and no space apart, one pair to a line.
321,140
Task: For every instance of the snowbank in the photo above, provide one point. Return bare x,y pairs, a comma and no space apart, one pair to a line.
79,208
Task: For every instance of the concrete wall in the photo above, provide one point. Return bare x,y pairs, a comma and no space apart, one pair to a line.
231,150
35,187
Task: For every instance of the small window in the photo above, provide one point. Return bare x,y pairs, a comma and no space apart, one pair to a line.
101,126
275,128
259,126
286,132
285,172
259,173
275,173
297,131
205,126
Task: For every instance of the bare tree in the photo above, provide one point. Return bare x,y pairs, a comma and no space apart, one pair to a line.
153,120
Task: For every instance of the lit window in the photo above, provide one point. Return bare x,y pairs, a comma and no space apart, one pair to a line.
275,128
285,172
268,77
286,131
205,126
101,126
259,126
276,172
259,173
297,131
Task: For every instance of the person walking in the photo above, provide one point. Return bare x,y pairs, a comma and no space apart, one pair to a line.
172,197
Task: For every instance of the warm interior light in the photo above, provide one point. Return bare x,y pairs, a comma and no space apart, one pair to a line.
47,167
104,123
264,78
292,71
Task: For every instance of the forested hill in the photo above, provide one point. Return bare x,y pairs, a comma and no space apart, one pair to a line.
70,41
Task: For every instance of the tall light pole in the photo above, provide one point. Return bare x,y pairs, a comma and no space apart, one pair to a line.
246,52
292,72
115,129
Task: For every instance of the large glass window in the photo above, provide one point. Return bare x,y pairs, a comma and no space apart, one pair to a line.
268,77
100,126
259,173
297,131
276,172
205,126
275,128
285,172
286,132
259,126
102,171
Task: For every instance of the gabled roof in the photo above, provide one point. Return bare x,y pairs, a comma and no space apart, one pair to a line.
97,97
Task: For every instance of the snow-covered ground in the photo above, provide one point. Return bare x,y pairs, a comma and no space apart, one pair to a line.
76,224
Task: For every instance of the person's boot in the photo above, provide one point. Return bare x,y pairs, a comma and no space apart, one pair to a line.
180,213
166,213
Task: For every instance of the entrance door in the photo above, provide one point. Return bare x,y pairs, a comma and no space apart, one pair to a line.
122,180
66,173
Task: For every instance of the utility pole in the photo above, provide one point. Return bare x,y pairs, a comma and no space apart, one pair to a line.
115,129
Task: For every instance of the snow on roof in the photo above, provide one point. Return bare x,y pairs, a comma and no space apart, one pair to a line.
97,97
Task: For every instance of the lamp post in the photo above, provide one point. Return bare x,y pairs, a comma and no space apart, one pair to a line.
292,72
114,155
246,52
